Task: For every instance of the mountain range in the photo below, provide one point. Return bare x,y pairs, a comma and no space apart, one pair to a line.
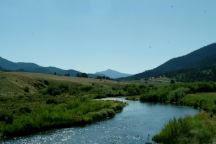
7,65
197,65
112,74
31,67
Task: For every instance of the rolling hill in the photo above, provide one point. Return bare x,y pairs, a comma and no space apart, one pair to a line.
201,62
112,74
31,67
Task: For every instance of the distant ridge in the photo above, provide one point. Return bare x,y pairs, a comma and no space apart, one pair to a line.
181,67
112,74
31,67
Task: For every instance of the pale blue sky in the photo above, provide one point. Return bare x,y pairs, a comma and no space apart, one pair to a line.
92,35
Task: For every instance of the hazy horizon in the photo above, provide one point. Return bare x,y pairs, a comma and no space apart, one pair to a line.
102,70
91,36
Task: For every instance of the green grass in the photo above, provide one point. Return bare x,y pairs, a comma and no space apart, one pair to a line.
133,98
32,103
191,130
76,112
200,129
205,101
159,81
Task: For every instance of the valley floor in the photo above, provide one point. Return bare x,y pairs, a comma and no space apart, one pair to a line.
32,103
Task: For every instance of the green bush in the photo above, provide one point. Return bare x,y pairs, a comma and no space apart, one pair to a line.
7,118
56,89
159,94
132,90
46,82
52,101
202,87
152,97
26,89
86,88
24,110
176,95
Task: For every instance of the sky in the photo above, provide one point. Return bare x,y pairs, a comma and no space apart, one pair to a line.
130,36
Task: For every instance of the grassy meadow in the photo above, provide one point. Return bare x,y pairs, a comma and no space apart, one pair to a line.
32,103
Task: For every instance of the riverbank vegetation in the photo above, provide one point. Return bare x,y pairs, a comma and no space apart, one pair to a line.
200,129
194,130
32,103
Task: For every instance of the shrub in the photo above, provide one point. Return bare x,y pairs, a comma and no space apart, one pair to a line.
177,94
202,87
132,90
51,101
172,81
53,90
7,118
214,110
26,89
24,110
46,82
150,98
159,94
86,88
84,75
57,89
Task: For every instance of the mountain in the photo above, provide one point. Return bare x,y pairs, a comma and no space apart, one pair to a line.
1,69
197,61
31,67
112,74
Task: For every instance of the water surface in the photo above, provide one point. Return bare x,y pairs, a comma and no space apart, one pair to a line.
131,126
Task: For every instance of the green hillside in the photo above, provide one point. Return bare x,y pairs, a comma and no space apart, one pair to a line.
201,61
207,73
31,67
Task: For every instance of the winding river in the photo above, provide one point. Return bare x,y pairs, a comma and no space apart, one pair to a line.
134,125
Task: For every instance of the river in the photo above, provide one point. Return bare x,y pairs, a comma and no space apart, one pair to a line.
134,125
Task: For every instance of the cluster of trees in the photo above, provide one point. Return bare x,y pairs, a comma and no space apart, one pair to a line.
103,77
192,75
175,92
84,75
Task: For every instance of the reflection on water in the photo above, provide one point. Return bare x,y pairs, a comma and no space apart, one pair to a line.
133,125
